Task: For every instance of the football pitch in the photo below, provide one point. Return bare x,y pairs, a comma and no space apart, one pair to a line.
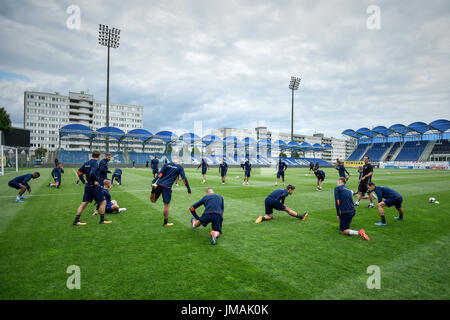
286,258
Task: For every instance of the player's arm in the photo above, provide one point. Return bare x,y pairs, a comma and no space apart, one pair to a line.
160,174
185,181
345,170
337,202
199,165
195,206
379,194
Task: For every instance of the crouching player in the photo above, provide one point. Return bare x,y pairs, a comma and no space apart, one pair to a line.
213,213
391,198
111,206
117,175
56,175
320,178
21,183
345,209
275,200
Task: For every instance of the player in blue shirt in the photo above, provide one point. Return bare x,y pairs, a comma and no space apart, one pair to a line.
154,164
223,168
56,175
342,171
205,166
111,206
391,198
92,190
213,214
343,200
21,183
103,169
282,166
275,200
117,175
320,178
162,184
247,169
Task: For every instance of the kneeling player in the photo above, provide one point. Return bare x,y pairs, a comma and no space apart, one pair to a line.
117,175
111,206
275,200
213,213
345,209
391,198
320,178
56,175
21,183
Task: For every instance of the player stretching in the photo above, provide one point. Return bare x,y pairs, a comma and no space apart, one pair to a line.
282,166
162,184
342,171
392,198
247,169
21,183
320,178
56,175
92,190
275,200
343,199
213,213
103,168
366,178
154,165
223,168
117,175
205,166
111,206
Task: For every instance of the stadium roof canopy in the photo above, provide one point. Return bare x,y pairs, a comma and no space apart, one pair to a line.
166,136
140,134
75,129
189,138
248,141
110,132
420,128
264,142
210,139
279,143
328,146
230,140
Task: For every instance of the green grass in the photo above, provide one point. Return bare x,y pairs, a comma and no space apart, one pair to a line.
136,258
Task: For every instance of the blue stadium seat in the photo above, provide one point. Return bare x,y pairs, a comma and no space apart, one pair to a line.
377,150
411,151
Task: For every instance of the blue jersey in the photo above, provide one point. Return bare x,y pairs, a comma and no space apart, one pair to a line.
103,169
386,193
107,195
320,175
247,166
56,173
90,169
117,172
204,165
169,173
23,180
278,195
213,204
154,164
223,168
282,166
341,169
343,197
56,161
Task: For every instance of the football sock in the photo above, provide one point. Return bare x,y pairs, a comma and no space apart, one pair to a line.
166,220
77,219
300,216
357,202
102,217
383,219
263,218
353,233
400,215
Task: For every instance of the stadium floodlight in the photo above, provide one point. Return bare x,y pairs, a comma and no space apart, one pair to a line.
109,38
293,85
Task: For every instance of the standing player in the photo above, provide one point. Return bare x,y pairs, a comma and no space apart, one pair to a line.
316,166
223,168
275,200
247,169
282,166
111,206
311,166
342,171
21,183
117,175
146,163
320,178
343,199
205,166
92,190
154,164
366,178
56,162
213,213
392,198
103,168
56,175
162,184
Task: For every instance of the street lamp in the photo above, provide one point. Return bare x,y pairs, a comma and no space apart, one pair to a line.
109,38
293,85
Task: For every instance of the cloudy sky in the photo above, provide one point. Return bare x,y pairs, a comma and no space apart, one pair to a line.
228,63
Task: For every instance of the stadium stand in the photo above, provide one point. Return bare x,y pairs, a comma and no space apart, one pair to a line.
357,153
411,151
377,150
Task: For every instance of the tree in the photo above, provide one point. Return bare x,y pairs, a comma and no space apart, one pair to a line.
195,150
5,121
40,152
283,155
296,155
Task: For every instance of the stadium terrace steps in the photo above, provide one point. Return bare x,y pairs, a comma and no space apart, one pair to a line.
357,153
427,151
411,151
387,152
397,151
377,151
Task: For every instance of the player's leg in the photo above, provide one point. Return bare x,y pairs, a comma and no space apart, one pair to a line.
400,213
370,205
216,221
166,215
344,226
22,190
380,207
80,210
294,214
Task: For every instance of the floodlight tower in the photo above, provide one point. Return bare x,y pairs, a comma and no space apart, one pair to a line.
109,38
293,85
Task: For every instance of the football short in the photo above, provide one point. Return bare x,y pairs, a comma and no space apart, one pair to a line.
155,170
247,173
165,191
57,180
272,204
204,171
93,193
108,207
280,174
362,187
346,219
214,218
395,201
14,185
223,173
